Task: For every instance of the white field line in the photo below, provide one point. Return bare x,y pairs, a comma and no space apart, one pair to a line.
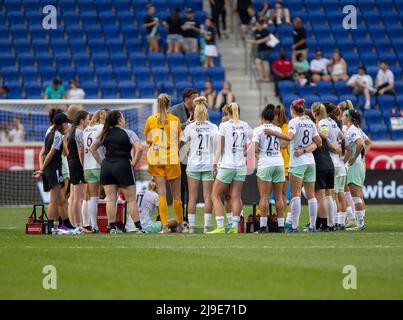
176,248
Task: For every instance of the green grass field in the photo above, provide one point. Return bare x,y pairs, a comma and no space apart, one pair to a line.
182,266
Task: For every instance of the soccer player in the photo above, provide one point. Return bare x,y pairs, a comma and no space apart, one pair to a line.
162,132
200,137
231,148
304,140
356,167
51,172
117,167
92,169
75,158
270,168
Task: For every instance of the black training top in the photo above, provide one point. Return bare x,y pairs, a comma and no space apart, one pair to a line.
76,140
261,35
54,140
118,143
299,34
174,26
211,32
322,157
148,19
190,33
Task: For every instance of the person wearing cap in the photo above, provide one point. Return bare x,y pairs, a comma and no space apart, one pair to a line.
55,90
51,170
191,30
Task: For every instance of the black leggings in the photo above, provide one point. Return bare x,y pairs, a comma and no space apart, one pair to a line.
217,12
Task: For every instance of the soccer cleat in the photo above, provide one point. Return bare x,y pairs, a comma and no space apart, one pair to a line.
287,225
233,230
351,224
112,230
78,231
306,228
356,228
218,230
164,230
292,230
206,229
261,230
185,227
192,230
94,230
331,228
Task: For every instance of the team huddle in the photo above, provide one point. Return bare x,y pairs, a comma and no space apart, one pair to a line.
319,153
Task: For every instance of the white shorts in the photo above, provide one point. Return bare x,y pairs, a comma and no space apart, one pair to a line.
211,50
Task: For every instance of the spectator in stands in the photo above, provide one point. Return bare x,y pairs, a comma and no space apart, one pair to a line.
299,34
175,32
218,10
184,111
242,9
151,24
385,80
253,17
55,91
277,14
210,50
17,133
75,92
225,96
263,50
282,68
318,67
266,13
301,69
3,92
209,93
4,134
191,29
337,67
362,83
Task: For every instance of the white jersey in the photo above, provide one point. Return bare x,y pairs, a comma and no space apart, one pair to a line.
304,131
333,130
269,146
236,139
202,138
353,133
90,134
147,202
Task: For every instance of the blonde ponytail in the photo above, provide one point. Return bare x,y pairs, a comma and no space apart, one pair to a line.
200,109
233,110
95,118
164,104
319,111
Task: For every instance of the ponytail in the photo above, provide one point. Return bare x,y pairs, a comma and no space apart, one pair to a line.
319,111
80,115
111,120
52,114
298,105
200,109
164,104
233,110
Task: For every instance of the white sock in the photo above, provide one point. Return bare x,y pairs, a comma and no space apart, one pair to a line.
295,211
280,222
360,218
92,209
337,218
330,211
342,218
235,221
313,212
350,214
84,214
129,223
350,202
263,222
229,217
220,221
289,218
363,212
192,220
207,219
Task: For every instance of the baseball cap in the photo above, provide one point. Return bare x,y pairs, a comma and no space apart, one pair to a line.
189,10
61,118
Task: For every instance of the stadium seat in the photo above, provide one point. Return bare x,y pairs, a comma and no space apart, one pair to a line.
160,74
165,87
379,131
386,102
175,59
397,134
306,90
198,73
123,74
216,74
192,59
180,86
180,74
329,98
373,117
142,74
156,59
127,89
146,89
324,87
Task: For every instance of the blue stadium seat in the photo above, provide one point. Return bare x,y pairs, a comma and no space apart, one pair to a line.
198,73
86,74
369,59
138,59
286,86
156,59
142,74
175,59
123,6
118,60
146,89
386,102
379,131
306,90
196,5
215,116
127,89
180,74
104,74
109,90
180,86
33,90
123,74
216,74
397,134
324,87
373,117
165,87
160,74
100,59
329,98
350,97
199,85
134,45
192,59
91,89
114,46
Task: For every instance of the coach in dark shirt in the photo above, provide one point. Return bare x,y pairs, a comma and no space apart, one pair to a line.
299,34
184,111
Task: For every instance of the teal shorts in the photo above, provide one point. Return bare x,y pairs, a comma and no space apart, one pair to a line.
154,228
226,175
65,170
339,181
306,172
201,176
356,174
92,175
271,174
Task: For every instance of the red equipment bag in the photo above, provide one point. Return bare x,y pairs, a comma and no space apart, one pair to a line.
253,223
272,221
38,225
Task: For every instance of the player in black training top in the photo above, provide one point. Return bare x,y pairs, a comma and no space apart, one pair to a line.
75,160
117,167
51,170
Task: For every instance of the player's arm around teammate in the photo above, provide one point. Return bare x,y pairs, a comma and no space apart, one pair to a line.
200,138
232,149
117,167
162,132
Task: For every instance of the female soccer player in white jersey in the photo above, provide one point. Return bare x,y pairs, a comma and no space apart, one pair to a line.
356,167
200,138
231,148
270,168
92,169
304,140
